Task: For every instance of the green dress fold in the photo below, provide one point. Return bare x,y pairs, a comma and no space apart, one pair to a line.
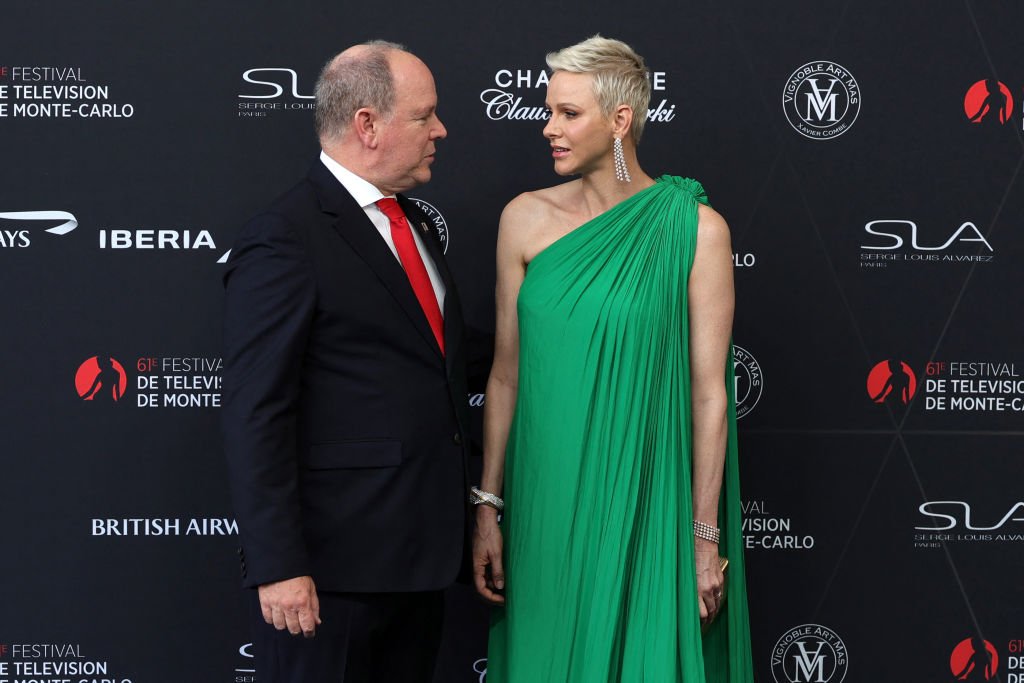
599,552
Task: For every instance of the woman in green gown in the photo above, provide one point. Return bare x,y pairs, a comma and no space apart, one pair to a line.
610,418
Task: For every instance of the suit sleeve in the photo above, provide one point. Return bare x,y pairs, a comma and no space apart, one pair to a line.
270,297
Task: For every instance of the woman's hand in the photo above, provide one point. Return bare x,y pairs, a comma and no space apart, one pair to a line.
488,572
710,580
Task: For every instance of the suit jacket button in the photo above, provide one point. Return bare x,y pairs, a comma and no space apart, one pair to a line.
457,439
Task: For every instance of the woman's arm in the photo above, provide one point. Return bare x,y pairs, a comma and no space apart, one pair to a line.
711,303
502,386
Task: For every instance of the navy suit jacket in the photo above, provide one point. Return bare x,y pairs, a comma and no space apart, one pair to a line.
345,428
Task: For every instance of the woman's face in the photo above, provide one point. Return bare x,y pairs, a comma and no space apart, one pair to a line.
580,135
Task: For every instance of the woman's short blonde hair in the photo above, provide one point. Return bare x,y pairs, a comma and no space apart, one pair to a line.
620,76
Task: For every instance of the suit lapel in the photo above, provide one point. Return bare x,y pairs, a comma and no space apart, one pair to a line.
453,325
356,229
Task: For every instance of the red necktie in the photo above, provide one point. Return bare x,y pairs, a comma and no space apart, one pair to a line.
409,255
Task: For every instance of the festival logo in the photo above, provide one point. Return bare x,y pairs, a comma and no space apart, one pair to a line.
973,386
893,383
14,235
161,382
506,101
749,381
272,89
55,662
436,220
821,100
764,529
809,654
101,379
897,240
56,92
974,659
989,100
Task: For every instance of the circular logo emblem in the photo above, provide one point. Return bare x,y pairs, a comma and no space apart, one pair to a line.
809,654
892,381
988,99
436,220
101,379
974,659
821,100
749,381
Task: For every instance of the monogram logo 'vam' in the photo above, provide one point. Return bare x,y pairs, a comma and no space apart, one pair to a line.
821,100
809,654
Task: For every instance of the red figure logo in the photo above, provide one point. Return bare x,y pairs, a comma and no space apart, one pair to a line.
892,382
974,659
101,378
988,97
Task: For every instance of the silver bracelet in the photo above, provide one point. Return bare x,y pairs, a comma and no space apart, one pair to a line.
706,531
478,497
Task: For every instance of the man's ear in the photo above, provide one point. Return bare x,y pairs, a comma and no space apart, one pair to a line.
365,123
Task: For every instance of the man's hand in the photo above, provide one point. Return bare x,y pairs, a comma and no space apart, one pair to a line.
291,604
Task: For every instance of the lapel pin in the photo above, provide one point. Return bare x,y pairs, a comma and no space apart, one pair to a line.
423,226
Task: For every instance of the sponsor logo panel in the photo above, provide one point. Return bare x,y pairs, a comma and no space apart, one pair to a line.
517,94
134,527
18,230
821,100
960,521
16,227
899,241
270,90
810,653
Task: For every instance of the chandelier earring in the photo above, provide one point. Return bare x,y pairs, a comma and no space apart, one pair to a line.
621,171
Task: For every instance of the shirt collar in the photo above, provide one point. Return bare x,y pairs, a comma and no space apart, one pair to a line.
364,192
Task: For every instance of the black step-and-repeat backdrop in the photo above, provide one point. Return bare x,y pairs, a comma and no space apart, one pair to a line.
866,154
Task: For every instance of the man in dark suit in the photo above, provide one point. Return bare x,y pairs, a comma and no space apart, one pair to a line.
345,395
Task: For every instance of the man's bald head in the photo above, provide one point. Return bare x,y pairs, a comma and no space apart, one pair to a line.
359,77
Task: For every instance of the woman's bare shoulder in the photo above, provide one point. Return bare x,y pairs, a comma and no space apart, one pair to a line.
711,226
538,207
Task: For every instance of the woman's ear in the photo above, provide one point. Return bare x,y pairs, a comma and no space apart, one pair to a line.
622,120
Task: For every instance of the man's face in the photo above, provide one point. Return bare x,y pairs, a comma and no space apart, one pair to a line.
406,141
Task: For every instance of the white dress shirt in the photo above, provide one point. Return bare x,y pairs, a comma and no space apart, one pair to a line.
366,195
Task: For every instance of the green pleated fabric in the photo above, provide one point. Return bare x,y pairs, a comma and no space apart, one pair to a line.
599,557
